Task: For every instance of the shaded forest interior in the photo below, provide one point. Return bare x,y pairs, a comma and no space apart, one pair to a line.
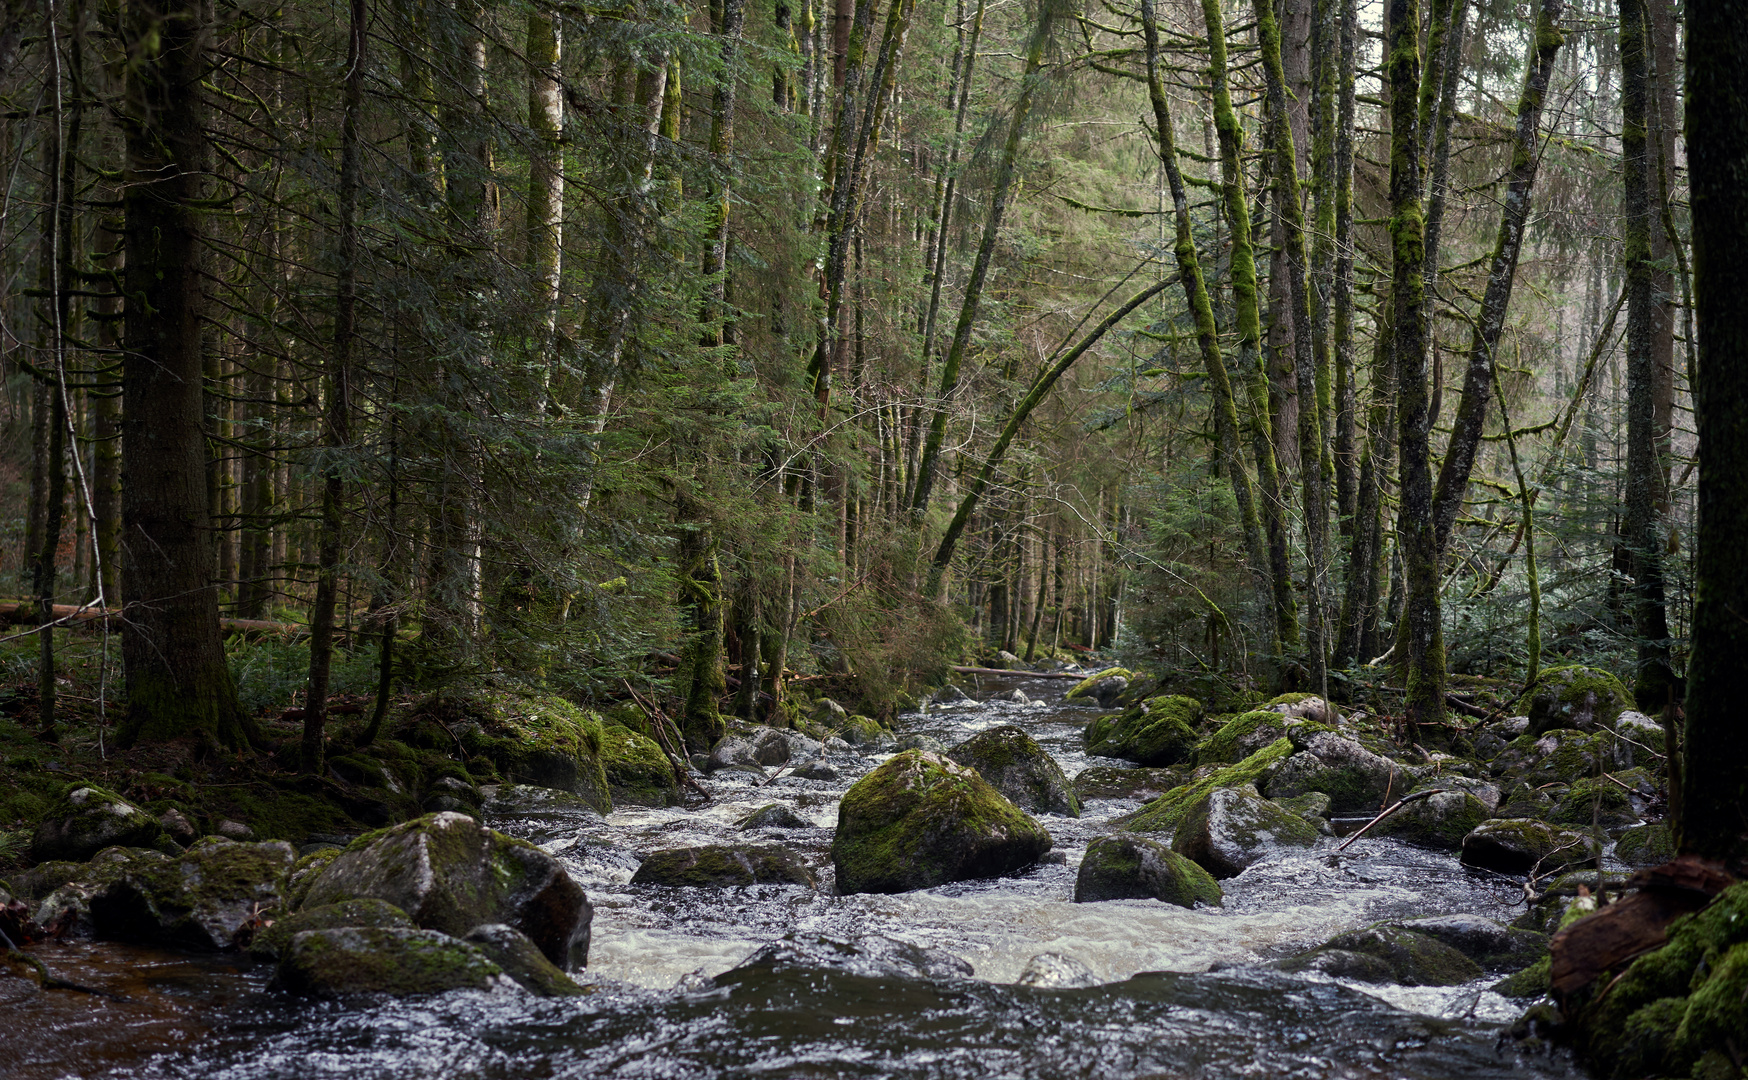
1327,346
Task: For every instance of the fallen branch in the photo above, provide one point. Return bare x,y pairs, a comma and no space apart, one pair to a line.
656,717
1400,803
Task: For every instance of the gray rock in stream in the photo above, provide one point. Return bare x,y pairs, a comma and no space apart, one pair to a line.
1520,845
1015,765
511,950
773,816
1488,943
1386,953
872,956
1128,867
1235,828
1056,971
723,866
200,900
1353,777
401,963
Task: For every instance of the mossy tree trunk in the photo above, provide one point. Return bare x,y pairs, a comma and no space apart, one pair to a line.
1715,772
174,660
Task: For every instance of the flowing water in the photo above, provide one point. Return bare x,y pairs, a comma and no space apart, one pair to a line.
1179,995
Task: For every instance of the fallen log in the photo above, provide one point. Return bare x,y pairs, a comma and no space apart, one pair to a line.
1635,925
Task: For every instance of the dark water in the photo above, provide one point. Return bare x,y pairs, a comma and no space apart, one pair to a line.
667,1004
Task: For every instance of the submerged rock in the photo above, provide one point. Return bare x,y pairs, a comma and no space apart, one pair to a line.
199,900
1160,731
1493,946
510,949
1588,699
450,873
1136,868
85,819
1387,953
369,914
872,956
401,963
774,816
717,866
919,821
1056,971
1235,828
816,769
1521,845
1014,764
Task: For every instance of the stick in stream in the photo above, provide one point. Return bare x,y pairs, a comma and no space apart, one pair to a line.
1399,804
656,716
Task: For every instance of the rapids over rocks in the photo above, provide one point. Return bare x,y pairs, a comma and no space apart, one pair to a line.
1177,992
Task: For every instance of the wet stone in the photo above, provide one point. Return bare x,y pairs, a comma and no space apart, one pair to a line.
1136,868
1056,971
400,963
872,956
774,816
1519,846
1014,764
723,866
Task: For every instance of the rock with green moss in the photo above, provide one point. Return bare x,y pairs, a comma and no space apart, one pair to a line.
401,963
1313,806
304,872
200,900
1014,764
1392,954
510,949
1649,846
920,820
854,729
773,816
532,738
1518,846
1164,813
1135,785
1595,800
1493,946
69,901
1158,732
450,873
1587,699
1101,687
721,866
84,819
638,771
371,914
21,976
1354,778
1241,736
1136,868
1234,828
1439,821
1716,1017
1532,982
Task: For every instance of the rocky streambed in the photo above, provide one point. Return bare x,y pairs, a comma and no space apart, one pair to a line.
1219,930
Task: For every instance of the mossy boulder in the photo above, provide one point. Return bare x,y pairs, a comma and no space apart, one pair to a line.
1354,778
1112,782
530,738
1587,699
773,816
1164,813
1594,799
522,960
1532,982
1490,944
1101,687
84,819
719,866
1136,868
637,769
199,900
450,873
1396,955
1014,764
1439,821
1240,737
1158,732
21,976
1649,846
401,963
371,914
1302,706
857,730
1235,828
71,887
1518,846
920,820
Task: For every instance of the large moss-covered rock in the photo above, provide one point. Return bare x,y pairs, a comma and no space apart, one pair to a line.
1354,778
538,739
1594,799
1136,868
1234,828
1102,687
718,866
1112,782
521,959
1493,946
1241,736
1388,953
1587,699
1015,765
450,873
1160,731
1649,846
1517,846
367,914
637,769
1164,813
1438,821
85,819
197,901
1561,756
920,820
401,963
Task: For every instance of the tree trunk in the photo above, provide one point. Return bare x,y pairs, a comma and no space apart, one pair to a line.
1714,782
172,652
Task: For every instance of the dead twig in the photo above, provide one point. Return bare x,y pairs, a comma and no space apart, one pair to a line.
1400,803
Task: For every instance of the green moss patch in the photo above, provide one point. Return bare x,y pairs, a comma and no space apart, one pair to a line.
1164,813
1159,732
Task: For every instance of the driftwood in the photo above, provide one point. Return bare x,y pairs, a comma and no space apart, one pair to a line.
1633,926
1400,803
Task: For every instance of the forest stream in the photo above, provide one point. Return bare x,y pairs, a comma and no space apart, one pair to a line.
1182,992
